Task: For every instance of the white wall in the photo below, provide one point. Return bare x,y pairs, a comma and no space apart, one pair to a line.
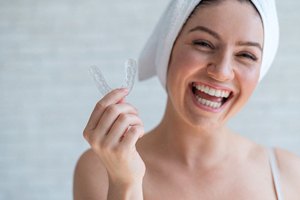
46,93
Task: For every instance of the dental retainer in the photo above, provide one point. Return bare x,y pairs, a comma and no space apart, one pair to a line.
104,88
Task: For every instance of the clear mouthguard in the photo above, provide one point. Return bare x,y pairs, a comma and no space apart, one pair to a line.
104,88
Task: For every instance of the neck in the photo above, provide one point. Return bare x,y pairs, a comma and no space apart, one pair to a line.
192,145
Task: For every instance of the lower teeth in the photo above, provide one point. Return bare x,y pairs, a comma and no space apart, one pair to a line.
209,103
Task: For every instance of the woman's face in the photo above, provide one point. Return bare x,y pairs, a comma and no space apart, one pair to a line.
215,63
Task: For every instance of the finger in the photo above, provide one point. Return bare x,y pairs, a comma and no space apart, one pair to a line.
132,135
107,119
120,127
112,113
113,97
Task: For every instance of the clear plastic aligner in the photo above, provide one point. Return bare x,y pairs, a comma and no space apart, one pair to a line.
99,79
104,88
130,73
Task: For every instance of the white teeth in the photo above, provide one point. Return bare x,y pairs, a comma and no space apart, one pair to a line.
206,90
218,93
226,95
223,94
208,103
212,92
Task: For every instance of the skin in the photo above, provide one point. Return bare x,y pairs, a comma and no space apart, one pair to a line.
190,154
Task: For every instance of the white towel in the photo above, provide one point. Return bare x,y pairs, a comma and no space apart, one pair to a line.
154,58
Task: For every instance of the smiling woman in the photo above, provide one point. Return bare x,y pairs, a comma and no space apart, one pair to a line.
206,54
209,56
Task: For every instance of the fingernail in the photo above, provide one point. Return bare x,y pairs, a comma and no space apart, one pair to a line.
125,90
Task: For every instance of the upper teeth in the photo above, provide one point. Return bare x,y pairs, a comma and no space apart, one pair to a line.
213,92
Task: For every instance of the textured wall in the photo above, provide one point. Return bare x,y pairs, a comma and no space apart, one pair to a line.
46,94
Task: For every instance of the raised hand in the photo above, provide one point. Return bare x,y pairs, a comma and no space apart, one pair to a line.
112,131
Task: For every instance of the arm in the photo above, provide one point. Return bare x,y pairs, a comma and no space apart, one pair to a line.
90,178
91,181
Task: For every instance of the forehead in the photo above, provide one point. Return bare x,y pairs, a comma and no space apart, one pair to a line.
241,19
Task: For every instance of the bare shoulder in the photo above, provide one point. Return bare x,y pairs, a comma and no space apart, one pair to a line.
289,167
90,178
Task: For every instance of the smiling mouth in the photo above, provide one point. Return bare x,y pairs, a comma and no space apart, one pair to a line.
209,97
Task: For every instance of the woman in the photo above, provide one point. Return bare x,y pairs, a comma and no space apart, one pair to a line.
209,56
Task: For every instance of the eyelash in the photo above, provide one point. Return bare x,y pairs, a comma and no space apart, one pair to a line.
248,56
206,44
203,43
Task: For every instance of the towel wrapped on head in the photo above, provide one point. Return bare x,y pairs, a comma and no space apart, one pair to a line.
154,58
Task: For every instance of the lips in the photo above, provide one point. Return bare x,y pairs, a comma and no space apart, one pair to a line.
210,97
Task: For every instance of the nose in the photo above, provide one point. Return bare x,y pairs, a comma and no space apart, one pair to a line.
221,68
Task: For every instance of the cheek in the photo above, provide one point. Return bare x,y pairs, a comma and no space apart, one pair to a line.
186,60
179,70
178,60
249,82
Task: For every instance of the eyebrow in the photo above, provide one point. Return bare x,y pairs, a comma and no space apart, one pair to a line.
253,44
204,29
217,36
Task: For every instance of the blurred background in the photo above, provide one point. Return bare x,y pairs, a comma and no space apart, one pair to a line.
47,94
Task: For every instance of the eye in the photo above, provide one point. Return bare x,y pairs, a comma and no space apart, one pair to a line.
203,43
248,56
